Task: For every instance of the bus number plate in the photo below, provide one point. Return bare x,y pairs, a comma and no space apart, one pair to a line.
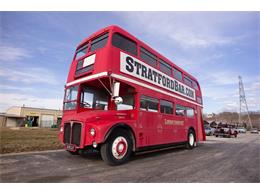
70,147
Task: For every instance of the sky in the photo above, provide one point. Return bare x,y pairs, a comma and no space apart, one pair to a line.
36,49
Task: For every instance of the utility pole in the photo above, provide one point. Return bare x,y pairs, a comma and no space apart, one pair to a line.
242,102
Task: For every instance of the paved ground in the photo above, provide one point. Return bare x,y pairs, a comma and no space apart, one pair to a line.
216,160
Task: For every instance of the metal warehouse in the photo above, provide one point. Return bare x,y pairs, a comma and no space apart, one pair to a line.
30,117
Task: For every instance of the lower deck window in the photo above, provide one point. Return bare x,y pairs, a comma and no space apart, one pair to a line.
166,107
93,98
149,104
180,110
190,112
128,102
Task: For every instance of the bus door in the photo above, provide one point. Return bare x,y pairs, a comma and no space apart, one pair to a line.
148,121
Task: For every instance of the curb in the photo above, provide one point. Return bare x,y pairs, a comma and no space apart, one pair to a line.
32,152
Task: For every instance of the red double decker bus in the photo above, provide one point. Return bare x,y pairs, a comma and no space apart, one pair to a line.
122,96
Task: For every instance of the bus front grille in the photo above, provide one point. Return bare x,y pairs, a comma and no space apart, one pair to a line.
67,133
72,133
76,134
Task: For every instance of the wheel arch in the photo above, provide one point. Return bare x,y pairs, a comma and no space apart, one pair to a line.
122,126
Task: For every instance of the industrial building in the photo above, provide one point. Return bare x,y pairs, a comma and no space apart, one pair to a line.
32,117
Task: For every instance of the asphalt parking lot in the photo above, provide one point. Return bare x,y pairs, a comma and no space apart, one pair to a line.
216,160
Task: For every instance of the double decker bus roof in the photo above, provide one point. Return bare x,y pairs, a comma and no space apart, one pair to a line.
116,28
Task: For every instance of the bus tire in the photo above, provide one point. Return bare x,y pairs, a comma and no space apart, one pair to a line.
118,148
191,140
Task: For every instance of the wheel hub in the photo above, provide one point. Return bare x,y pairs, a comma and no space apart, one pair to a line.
191,139
119,147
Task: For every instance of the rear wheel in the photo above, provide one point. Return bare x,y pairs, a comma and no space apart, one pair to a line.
191,141
118,148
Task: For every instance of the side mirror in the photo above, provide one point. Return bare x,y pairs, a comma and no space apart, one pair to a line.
118,100
116,88
115,93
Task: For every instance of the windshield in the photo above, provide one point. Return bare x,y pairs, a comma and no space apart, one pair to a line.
94,98
70,100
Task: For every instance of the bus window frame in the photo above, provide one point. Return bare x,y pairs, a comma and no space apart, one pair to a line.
166,64
130,39
196,88
140,48
147,110
182,75
187,112
175,113
188,79
100,35
77,50
169,114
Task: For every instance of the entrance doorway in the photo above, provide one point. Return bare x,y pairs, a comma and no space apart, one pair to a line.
32,121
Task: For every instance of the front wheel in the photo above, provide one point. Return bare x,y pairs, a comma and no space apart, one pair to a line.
191,142
118,148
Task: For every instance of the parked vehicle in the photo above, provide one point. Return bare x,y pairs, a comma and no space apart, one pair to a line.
225,132
209,131
241,130
254,130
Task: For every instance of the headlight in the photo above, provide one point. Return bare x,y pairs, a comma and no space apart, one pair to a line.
61,129
92,131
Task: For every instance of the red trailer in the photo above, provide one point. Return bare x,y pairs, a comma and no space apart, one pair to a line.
122,96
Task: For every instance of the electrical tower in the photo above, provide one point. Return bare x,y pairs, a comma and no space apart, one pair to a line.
242,102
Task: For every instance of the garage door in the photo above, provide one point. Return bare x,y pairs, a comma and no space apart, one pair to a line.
47,120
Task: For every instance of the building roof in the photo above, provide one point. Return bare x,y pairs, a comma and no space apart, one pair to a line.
11,115
34,108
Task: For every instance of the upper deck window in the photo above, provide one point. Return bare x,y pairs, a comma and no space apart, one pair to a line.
166,68
187,81
195,85
99,42
177,74
124,43
148,57
81,51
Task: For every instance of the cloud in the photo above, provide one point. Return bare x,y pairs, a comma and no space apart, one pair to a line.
255,86
29,75
228,97
10,53
183,28
189,39
16,99
16,88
